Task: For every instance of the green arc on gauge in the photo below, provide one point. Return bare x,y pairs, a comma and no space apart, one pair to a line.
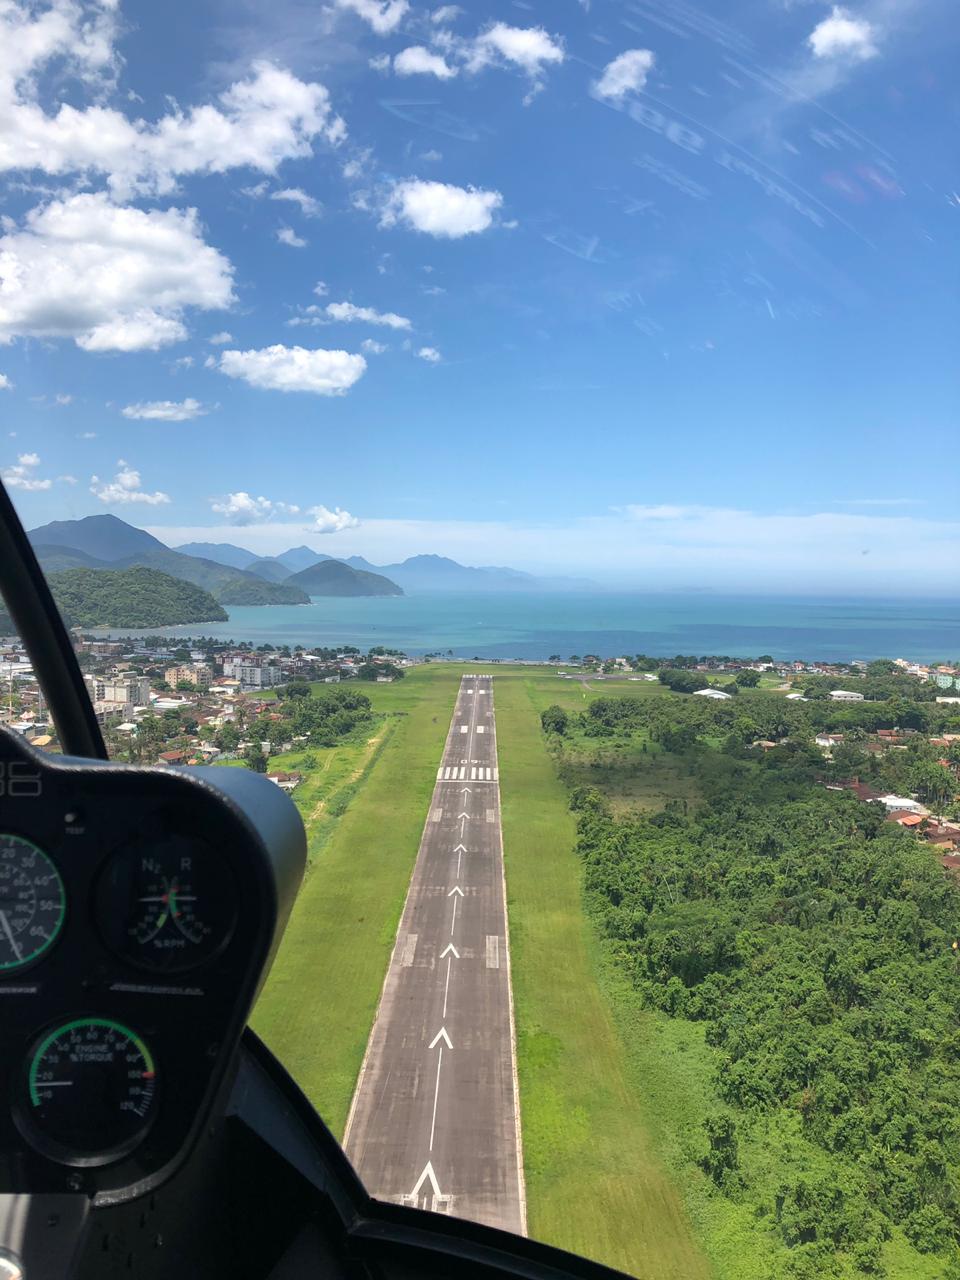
70,1026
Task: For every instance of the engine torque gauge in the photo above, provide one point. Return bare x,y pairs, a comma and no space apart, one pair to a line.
32,903
91,1092
167,904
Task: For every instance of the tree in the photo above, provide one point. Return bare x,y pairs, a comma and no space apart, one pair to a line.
723,1156
554,720
255,759
747,679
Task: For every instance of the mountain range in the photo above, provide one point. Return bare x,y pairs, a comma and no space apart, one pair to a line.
416,575
234,575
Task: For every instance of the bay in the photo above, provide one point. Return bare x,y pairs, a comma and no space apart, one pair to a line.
532,627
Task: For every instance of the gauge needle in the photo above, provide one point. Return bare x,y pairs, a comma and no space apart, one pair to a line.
9,932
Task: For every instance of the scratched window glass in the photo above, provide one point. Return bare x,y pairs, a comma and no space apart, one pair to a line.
353,356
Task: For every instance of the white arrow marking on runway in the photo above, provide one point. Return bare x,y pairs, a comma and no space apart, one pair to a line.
456,889
453,922
449,947
460,848
435,1186
463,815
441,1035
463,818
465,791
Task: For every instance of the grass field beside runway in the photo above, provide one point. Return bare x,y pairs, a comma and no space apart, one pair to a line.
318,1005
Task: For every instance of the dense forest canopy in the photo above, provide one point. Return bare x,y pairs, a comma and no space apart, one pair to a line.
131,598
815,943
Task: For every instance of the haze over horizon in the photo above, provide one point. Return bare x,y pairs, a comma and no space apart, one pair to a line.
660,299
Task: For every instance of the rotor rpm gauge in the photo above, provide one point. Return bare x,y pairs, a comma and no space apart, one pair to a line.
91,1092
32,903
167,905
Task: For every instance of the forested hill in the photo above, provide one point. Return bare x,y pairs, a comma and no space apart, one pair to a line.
814,943
131,598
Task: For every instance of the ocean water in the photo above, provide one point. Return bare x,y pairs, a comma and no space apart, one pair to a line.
531,627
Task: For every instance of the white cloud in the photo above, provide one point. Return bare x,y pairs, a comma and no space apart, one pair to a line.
320,289
373,348
165,410
346,311
440,209
87,435
625,74
446,13
279,368
111,278
430,354
431,156
286,235
66,479
242,508
327,521
309,207
843,35
5,383
124,488
21,475
217,340
61,398
258,122
418,61
383,16
380,63
257,191
530,48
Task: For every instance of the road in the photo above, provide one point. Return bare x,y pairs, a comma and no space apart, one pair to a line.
435,1117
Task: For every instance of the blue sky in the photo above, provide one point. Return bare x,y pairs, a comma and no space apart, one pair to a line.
658,293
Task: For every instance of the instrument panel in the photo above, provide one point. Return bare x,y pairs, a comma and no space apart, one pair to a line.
139,910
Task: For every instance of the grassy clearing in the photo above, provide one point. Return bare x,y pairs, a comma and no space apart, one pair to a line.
318,1005
595,1183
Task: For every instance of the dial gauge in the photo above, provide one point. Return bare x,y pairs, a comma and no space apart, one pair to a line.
32,903
167,905
91,1091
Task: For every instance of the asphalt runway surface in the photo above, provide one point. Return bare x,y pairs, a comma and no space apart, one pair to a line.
435,1117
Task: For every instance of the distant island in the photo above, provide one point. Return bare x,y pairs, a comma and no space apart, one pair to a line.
135,597
334,578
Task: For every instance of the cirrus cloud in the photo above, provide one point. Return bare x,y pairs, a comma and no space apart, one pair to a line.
440,209
280,368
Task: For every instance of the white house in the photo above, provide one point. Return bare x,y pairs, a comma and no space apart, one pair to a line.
712,693
901,802
845,695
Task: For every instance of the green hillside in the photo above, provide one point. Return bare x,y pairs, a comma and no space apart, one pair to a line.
135,597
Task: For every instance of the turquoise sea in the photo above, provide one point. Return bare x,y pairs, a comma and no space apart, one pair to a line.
513,625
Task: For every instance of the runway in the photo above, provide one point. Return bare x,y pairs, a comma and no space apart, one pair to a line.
435,1116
